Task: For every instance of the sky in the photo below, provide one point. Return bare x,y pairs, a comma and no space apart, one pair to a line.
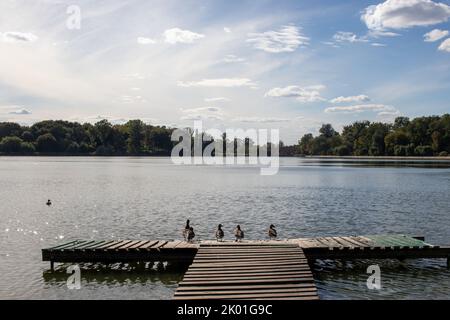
289,65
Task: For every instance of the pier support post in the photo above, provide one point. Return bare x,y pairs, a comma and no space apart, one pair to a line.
160,266
52,265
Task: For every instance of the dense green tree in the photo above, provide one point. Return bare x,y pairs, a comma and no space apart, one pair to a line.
9,129
11,144
135,132
327,131
305,144
47,143
27,147
423,136
27,136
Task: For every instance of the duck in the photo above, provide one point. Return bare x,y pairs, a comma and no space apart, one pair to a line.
49,202
238,233
186,230
190,234
272,232
219,233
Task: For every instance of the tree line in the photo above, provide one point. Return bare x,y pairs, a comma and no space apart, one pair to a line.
423,136
102,138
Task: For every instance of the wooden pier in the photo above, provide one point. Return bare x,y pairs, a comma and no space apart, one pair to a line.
248,269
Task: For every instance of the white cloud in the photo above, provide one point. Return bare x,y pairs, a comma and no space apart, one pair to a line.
360,98
445,45
224,82
218,99
402,14
232,58
287,39
381,33
362,108
196,117
302,94
131,99
331,43
202,113
376,44
227,30
144,40
177,35
14,36
435,35
16,110
202,109
261,120
20,112
342,36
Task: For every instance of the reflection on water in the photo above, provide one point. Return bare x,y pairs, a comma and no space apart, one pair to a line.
149,198
341,279
117,273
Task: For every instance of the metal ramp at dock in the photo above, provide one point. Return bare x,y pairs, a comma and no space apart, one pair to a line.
248,271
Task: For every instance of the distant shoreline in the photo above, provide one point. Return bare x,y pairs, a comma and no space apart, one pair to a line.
378,158
381,158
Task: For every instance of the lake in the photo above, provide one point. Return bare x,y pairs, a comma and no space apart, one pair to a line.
120,198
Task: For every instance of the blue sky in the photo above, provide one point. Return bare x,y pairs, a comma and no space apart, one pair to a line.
291,65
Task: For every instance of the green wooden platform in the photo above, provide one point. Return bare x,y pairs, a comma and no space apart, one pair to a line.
174,251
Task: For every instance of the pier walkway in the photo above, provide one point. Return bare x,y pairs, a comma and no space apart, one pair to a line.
247,271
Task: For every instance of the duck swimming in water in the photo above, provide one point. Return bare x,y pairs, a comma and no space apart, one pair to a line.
238,233
272,232
186,230
190,234
219,233
49,202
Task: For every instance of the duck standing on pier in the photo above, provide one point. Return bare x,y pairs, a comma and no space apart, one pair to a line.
186,230
190,234
238,233
49,202
219,233
272,232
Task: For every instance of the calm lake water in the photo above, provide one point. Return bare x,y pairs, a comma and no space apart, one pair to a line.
117,198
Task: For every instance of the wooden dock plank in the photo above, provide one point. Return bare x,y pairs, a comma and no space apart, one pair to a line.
64,245
99,244
160,245
306,286
296,295
118,245
107,245
148,245
79,246
236,273
137,245
356,242
172,244
309,291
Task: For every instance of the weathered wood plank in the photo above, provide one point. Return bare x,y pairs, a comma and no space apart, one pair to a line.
250,296
80,246
308,286
118,245
251,281
312,291
65,245
248,270
172,244
139,244
160,245
148,245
